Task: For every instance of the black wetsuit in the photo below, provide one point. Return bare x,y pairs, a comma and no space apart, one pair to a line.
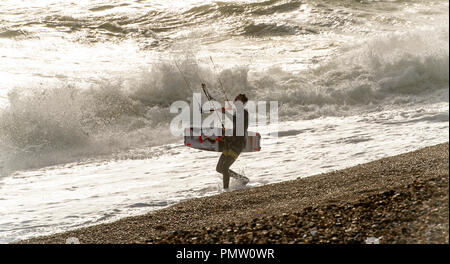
232,147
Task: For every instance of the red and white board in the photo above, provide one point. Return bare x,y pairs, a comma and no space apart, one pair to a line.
206,139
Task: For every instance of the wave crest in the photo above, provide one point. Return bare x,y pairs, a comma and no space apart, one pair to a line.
394,68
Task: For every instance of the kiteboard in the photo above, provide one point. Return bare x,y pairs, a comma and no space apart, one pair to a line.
208,139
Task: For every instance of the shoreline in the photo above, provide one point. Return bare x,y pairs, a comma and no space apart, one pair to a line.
398,199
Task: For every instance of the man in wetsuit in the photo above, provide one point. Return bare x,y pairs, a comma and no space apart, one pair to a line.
233,145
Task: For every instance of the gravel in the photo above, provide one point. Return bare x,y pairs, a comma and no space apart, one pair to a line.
400,199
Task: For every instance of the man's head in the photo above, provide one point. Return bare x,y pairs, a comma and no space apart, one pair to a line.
241,97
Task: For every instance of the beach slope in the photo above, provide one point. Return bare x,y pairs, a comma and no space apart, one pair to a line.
400,199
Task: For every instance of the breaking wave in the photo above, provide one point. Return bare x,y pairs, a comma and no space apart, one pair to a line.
46,125
396,68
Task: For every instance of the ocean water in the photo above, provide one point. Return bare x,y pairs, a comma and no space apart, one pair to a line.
85,90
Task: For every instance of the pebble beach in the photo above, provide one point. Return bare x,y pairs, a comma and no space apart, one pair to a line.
399,199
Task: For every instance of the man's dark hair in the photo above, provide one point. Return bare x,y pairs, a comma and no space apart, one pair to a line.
244,98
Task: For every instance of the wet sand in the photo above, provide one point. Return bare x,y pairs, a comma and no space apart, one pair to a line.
400,199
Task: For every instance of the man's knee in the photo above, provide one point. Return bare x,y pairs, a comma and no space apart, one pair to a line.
219,168
224,164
